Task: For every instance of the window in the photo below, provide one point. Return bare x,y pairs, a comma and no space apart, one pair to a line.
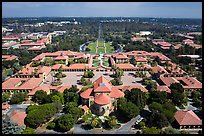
107,108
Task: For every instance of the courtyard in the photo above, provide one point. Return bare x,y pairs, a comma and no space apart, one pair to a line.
73,78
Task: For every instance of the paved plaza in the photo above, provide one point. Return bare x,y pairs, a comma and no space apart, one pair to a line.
73,78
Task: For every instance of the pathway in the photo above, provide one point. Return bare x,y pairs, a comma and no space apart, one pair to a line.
124,129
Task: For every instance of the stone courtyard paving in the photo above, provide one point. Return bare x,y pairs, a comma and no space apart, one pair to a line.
73,78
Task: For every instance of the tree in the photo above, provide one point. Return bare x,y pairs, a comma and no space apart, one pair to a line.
137,97
73,89
169,130
158,120
155,106
51,125
60,96
39,115
127,109
41,97
65,122
141,124
88,74
94,122
28,131
177,93
18,98
157,96
133,61
5,97
70,96
152,130
111,121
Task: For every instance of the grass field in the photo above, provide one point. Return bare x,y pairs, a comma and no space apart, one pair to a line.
101,50
109,48
105,63
95,62
92,47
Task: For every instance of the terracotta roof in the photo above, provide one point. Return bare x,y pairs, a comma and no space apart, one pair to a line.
102,99
168,80
190,82
138,38
56,66
166,44
18,117
187,41
85,108
27,83
163,88
62,88
102,85
125,66
187,118
137,53
195,45
5,106
140,59
26,41
9,44
77,66
36,48
44,88
115,93
120,56
45,69
61,58
87,93
39,57
177,46
9,57
157,69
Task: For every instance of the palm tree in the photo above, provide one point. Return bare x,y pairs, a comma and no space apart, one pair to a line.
111,120
94,122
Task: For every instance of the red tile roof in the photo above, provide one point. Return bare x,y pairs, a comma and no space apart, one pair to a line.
163,88
87,93
120,56
12,83
187,118
102,99
125,66
18,117
168,80
44,88
138,38
85,108
140,59
5,106
77,66
115,93
102,85
62,88
191,82
9,57
61,58
157,69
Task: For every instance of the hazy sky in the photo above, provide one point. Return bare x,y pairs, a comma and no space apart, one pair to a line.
102,9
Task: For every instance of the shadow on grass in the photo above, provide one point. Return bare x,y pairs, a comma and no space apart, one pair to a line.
121,118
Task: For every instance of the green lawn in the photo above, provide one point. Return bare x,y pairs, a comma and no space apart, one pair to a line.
100,43
105,63
109,48
92,47
101,50
95,63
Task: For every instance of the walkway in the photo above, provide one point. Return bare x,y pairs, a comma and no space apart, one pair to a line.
124,129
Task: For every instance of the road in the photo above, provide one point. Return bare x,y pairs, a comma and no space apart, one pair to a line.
124,129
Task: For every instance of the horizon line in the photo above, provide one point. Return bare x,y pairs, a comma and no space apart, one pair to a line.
101,17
